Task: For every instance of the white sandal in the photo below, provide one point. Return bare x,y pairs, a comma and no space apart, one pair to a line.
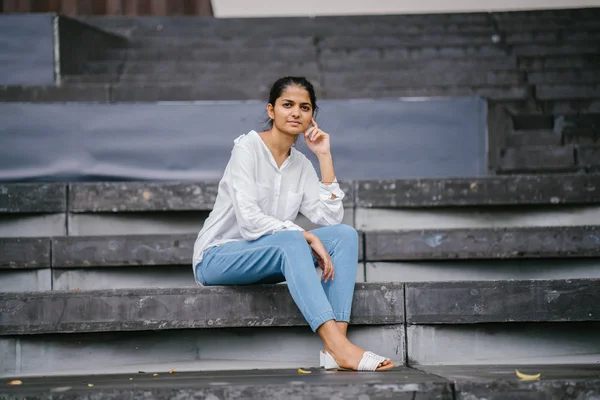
369,362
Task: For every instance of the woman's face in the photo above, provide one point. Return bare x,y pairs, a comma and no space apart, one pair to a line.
292,111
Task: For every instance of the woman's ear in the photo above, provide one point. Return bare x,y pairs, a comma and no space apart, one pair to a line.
270,111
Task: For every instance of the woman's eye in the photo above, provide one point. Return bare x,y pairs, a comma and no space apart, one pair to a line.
286,104
306,108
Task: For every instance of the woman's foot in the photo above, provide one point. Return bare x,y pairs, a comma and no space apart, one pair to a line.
348,355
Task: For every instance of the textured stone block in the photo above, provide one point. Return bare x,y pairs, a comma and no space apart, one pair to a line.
114,251
129,250
24,253
207,307
498,190
33,198
496,243
589,156
503,301
538,158
567,91
153,196
51,93
538,137
141,196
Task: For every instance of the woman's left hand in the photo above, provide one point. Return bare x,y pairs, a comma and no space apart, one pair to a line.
317,140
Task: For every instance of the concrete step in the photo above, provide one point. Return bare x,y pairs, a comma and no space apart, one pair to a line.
264,55
408,53
216,69
547,159
234,42
573,34
425,65
402,78
486,191
386,41
558,63
422,382
499,93
567,91
482,243
575,77
405,383
576,49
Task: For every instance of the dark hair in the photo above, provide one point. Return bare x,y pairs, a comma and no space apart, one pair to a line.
282,84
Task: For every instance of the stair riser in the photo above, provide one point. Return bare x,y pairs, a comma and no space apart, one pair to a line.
200,349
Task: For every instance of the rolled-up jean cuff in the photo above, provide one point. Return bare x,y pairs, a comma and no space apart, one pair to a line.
321,319
342,317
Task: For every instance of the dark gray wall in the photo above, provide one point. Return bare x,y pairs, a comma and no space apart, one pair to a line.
26,49
370,139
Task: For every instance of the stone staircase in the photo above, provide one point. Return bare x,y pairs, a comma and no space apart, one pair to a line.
461,281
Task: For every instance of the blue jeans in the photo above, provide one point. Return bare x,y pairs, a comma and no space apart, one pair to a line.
286,256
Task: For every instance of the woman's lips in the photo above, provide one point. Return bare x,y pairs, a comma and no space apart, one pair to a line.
294,123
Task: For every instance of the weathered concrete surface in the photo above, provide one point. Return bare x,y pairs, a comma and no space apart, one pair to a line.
113,251
24,253
503,190
182,350
497,243
502,301
207,307
373,219
501,344
136,223
131,277
474,382
401,383
153,196
482,270
33,225
33,198
141,196
25,280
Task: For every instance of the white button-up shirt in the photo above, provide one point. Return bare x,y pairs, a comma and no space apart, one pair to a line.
256,198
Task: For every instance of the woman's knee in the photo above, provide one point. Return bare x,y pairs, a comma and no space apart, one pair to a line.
346,232
287,239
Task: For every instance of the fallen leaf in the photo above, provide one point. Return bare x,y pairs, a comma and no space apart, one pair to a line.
130,379
90,385
155,375
525,377
172,371
16,382
76,288
302,372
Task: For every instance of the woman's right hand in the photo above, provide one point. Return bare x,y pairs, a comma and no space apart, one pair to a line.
321,254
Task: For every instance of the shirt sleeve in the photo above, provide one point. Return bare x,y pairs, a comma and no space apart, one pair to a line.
252,221
317,204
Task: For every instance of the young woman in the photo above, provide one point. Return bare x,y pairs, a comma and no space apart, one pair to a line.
250,236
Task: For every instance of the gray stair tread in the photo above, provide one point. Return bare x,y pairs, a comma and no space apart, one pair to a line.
24,253
483,243
241,384
556,49
33,198
415,78
572,76
151,309
414,53
567,91
383,41
496,190
503,301
153,196
556,62
122,251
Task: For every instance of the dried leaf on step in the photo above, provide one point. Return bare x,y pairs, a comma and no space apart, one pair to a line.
155,375
172,371
16,382
302,372
90,385
525,377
